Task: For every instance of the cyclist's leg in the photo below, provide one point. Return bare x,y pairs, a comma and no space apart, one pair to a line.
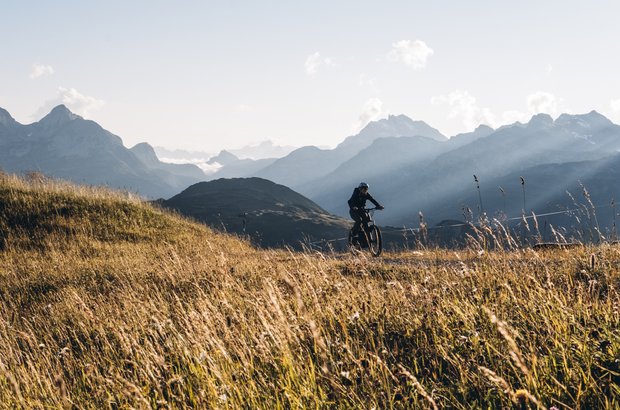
357,218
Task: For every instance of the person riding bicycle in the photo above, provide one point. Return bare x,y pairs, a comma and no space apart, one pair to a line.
357,203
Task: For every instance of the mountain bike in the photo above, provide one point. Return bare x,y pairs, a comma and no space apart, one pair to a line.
368,236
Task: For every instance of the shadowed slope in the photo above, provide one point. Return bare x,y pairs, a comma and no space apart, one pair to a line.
273,214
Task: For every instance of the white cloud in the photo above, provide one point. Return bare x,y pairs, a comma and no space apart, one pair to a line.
543,102
463,105
512,116
201,163
547,103
371,111
40,70
365,80
74,100
615,105
368,82
411,53
315,61
549,69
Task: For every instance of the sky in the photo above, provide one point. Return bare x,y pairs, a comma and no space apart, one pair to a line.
209,75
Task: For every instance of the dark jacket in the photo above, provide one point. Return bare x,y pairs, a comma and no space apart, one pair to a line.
359,200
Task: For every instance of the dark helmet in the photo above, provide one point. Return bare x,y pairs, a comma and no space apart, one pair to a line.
363,185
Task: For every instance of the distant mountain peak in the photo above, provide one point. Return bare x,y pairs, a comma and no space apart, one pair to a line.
596,116
5,118
465,138
223,158
145,152
264,149
399,117
591,119
392,126
541,120
398,122
403,126
483,128
58,116
144,147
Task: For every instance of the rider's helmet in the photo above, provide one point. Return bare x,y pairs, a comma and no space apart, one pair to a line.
363,185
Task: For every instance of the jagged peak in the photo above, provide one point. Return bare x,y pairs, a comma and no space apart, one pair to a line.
5,118
399,117
392,126
481,131
395,121
541,119
59,115
145,153
223,158
143,147
593,118
484,128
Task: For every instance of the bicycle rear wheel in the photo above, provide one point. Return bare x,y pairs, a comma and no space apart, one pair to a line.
375,244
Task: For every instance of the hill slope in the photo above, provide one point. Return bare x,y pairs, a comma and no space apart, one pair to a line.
273,214
42,214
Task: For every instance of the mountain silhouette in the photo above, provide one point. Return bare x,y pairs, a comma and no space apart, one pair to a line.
271,214
263,150
65,145
6,120
232,166
410,166
310,163
411,172
514,150
147,155
547,189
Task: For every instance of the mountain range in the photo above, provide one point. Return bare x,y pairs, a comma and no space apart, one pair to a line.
413,169
410,166
444,186
65,145
249,159
262,150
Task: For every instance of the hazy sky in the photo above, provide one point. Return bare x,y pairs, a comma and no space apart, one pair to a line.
207,75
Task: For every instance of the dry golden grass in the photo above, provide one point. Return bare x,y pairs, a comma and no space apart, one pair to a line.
107,302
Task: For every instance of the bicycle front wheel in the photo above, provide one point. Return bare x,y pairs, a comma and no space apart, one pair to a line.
375,244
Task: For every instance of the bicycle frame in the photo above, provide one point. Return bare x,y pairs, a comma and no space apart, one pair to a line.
371,221
367,229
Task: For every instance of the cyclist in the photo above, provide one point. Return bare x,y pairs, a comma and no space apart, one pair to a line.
357,203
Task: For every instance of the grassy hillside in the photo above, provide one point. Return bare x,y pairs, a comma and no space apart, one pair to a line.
106,302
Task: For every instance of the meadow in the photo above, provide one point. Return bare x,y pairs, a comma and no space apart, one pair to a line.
107,302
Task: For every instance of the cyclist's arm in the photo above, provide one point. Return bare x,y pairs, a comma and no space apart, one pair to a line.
373,200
